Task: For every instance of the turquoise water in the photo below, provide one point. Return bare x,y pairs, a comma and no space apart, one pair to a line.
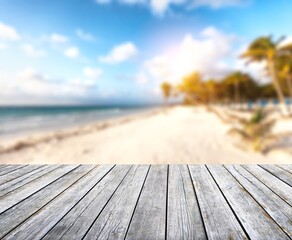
20,120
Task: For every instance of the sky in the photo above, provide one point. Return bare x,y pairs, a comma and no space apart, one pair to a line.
120,51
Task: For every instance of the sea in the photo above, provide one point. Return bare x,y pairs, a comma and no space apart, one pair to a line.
16,120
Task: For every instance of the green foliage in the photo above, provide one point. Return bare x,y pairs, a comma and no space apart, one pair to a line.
267,50
194,88
166,89
238,86
261,49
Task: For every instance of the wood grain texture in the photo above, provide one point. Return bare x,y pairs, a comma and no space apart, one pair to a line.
286,167
184,219
279,173
78,221
17,214
275,184
18,173
145,202
16,183
10,199
276,207
151,207
45,219
248,211
219,220
114,220
10,168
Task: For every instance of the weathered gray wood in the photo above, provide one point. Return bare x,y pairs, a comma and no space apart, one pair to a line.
20,172
254,219
24,179
14,216
219,220
151,207
46,218
275,184
132,202
10,199
3,165
113,221
10,168
184,220
286,167
279,173
276,207
78,221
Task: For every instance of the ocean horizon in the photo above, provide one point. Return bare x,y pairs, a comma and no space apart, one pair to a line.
20,120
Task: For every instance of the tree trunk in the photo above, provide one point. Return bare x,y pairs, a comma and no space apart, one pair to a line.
278,89
289,84
236,93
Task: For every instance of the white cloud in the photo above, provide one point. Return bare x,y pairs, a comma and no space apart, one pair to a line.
72,52
120,53
206,54
92,73
3,46
84,35
32,51
286,41
58,38
30,85
255,69
8,33
159,7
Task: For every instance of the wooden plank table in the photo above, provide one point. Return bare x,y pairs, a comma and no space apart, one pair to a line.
146,202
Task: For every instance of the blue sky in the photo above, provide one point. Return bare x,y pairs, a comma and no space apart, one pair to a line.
119,51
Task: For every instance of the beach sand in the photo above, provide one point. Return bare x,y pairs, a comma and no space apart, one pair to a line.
175,135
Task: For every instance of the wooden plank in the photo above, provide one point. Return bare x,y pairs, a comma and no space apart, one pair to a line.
14,216
18,173
46,218
286,167
10,199
184,219
219,220
22,180
279,173
276,207
3,165
10,168
113,221
78,221
149,218
253,218
275,184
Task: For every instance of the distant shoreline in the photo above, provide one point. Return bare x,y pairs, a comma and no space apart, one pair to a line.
10,143
22,121
174,135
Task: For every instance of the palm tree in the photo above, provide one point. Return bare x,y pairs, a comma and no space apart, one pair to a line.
256,130
265,49
236,79
166,89
211,90
284,67
193,88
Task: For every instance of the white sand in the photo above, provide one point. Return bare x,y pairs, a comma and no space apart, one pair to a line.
174,136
